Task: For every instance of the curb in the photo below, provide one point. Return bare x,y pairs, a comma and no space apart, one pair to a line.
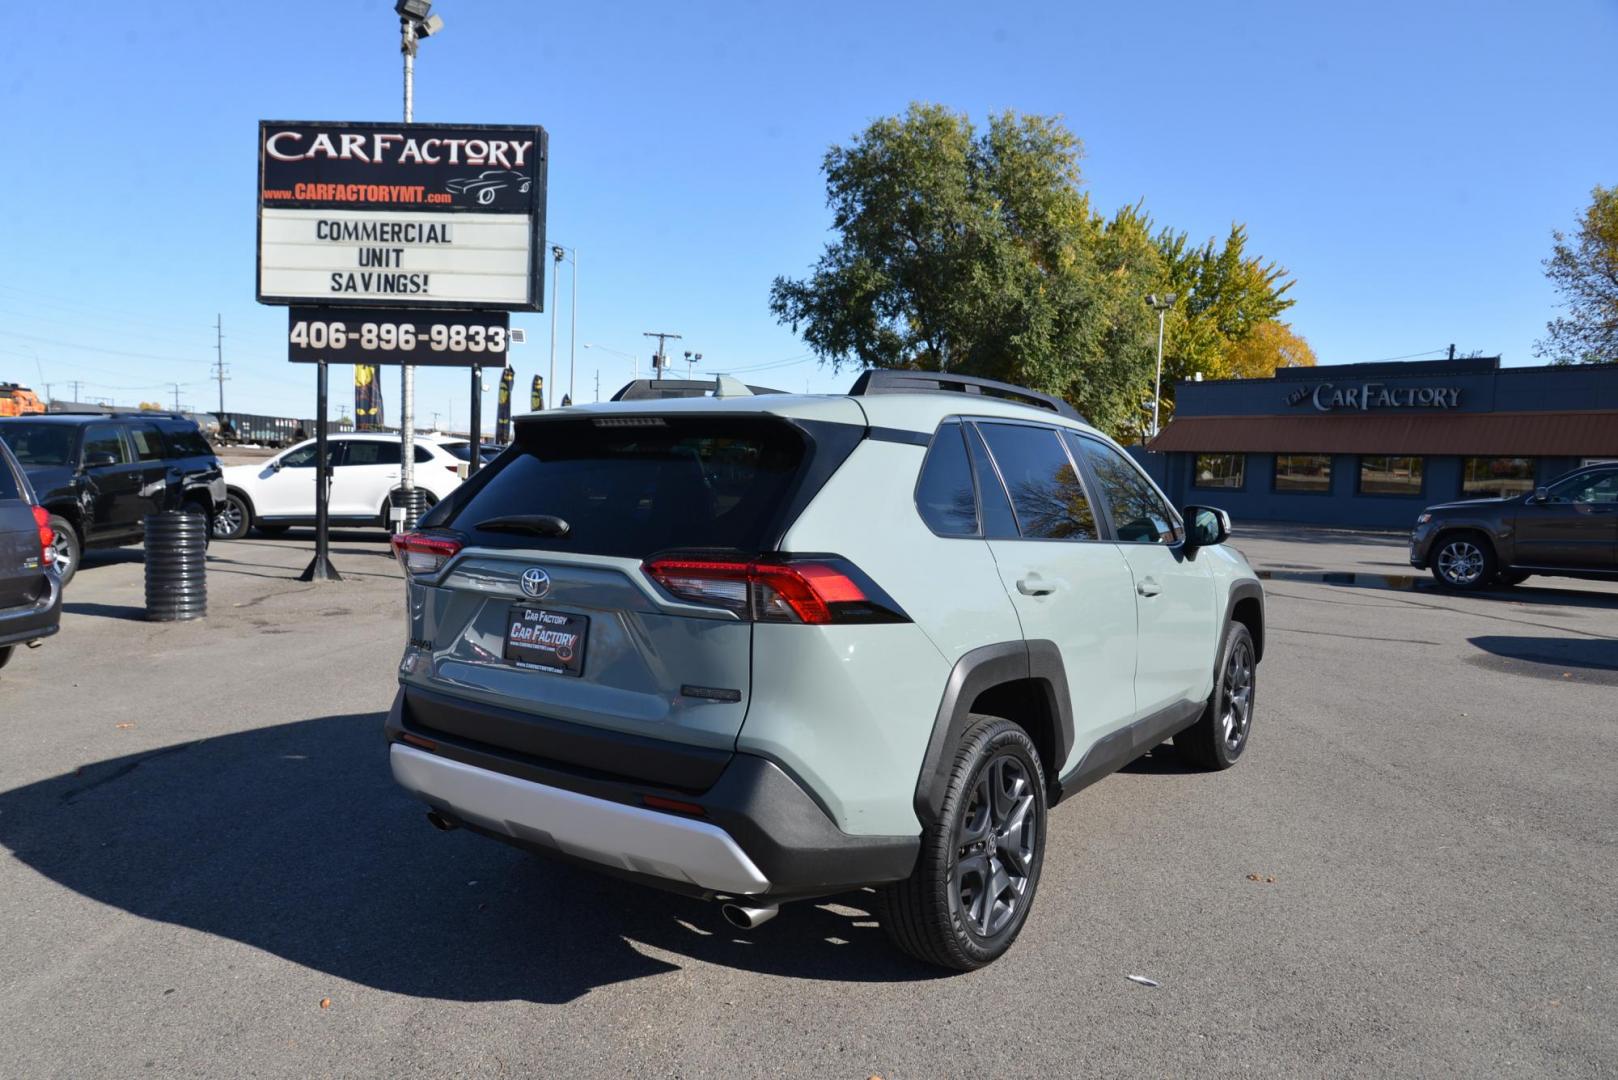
1403,582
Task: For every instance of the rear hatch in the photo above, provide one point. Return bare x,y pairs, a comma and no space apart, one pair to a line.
22,577
544,634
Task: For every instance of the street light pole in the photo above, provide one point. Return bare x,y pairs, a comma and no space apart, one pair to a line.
1161,305
556,270
573,331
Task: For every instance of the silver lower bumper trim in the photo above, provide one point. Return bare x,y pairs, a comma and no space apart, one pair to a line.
630,837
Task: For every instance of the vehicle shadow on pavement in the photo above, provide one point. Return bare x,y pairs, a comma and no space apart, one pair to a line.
293,839
1591,659
106,611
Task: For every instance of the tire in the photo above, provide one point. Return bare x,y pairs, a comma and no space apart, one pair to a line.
942,914
1513,577
1220,735
68,547
234,518
428,501
1463,561
5,654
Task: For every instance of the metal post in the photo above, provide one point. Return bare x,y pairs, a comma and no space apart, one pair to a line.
1157,394
573,332
556,267
320,568
407,373
476,459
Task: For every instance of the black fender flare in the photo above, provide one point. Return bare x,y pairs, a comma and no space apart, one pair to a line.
1243,589
982,669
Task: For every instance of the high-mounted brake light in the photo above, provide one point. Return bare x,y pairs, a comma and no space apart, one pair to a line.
423,553
808,589
47,538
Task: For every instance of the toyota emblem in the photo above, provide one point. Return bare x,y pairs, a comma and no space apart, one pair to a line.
535,582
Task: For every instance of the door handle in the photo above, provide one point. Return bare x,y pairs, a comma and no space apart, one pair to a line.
1034,585
1147,587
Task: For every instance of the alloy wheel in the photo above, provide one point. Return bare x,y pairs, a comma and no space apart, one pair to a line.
1460,562
996,844
228,519
61,551
1236,700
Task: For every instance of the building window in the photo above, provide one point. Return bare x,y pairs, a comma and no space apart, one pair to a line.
1482,477
1303,472
1390,475
1219,471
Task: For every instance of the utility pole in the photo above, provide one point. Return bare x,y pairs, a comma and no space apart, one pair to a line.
219,358
661,360
176,397
1452,351
598,384
75,383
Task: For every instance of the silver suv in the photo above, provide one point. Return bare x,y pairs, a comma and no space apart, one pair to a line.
761,648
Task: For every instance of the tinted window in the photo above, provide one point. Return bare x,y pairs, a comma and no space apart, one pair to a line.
1482,476
1598,488
1046,493
103,439
37,443
633,490
998,521
1219,471
423,455
1139,514
1303,472
944,492
10,488
148,444
374,452
185,440
1390,475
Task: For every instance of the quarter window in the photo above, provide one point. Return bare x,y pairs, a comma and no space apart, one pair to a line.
1219,471
1390,475
1139,514
1046,493
944,492
1303,472
1482,477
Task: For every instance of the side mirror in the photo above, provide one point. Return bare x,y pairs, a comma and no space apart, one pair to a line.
275,465
1205,526
100,461
1542,494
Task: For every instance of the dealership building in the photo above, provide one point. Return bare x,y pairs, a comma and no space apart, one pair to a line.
1369,445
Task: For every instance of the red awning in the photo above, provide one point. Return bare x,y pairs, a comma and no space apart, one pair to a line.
1524,434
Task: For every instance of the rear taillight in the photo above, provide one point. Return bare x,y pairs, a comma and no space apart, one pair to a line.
815,589
424,553
47,538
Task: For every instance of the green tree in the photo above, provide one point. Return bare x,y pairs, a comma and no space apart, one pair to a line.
1267,346
1224,296
1584,270
979,253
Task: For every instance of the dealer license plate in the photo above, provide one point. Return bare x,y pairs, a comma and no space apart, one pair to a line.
546,640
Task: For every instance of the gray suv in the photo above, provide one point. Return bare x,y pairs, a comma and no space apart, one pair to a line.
761,648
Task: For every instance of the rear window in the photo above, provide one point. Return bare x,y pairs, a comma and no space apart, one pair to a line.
678,482
10,488
38,443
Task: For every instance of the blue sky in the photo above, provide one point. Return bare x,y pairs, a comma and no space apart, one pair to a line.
1406,161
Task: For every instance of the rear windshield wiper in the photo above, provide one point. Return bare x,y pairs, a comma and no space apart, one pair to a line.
536,524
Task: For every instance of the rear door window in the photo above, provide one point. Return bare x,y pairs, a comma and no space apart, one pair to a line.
633,486
148,444
372,452
1046,492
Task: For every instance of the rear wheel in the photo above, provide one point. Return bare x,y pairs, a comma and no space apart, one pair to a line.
233,519
1218,738
1463,560
66,548
978,868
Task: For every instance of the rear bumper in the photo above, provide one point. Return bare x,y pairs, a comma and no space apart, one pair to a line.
38,620
760,833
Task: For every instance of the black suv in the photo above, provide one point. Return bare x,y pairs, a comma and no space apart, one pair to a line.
30,592
98,475
1568,528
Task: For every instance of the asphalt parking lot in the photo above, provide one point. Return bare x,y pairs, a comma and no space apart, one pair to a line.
207,870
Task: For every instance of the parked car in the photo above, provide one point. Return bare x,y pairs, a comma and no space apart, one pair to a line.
30,587
280,492
99,474
767,648
1568,528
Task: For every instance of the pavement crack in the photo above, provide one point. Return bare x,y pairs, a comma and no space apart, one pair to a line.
1357,637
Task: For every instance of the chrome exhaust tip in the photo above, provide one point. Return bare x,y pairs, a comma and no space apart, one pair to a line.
748,918
442,822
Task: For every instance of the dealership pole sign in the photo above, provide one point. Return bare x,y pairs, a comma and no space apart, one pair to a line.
401,215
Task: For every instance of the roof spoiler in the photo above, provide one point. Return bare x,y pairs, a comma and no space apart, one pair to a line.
890,381
722,386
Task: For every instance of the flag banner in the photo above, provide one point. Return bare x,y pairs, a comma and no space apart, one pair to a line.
567,399
536,393
502,418
367,398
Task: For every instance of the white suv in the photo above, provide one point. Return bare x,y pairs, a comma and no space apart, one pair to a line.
274,494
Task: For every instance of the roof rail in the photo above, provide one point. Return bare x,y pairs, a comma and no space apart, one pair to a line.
654,389
890,381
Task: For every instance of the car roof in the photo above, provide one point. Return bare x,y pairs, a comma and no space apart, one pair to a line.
71,418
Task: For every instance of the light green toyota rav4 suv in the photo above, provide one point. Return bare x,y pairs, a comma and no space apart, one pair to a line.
764,647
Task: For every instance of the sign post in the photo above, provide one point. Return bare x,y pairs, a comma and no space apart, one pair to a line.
320,567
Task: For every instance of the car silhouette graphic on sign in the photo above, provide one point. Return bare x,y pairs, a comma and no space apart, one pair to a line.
486,184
